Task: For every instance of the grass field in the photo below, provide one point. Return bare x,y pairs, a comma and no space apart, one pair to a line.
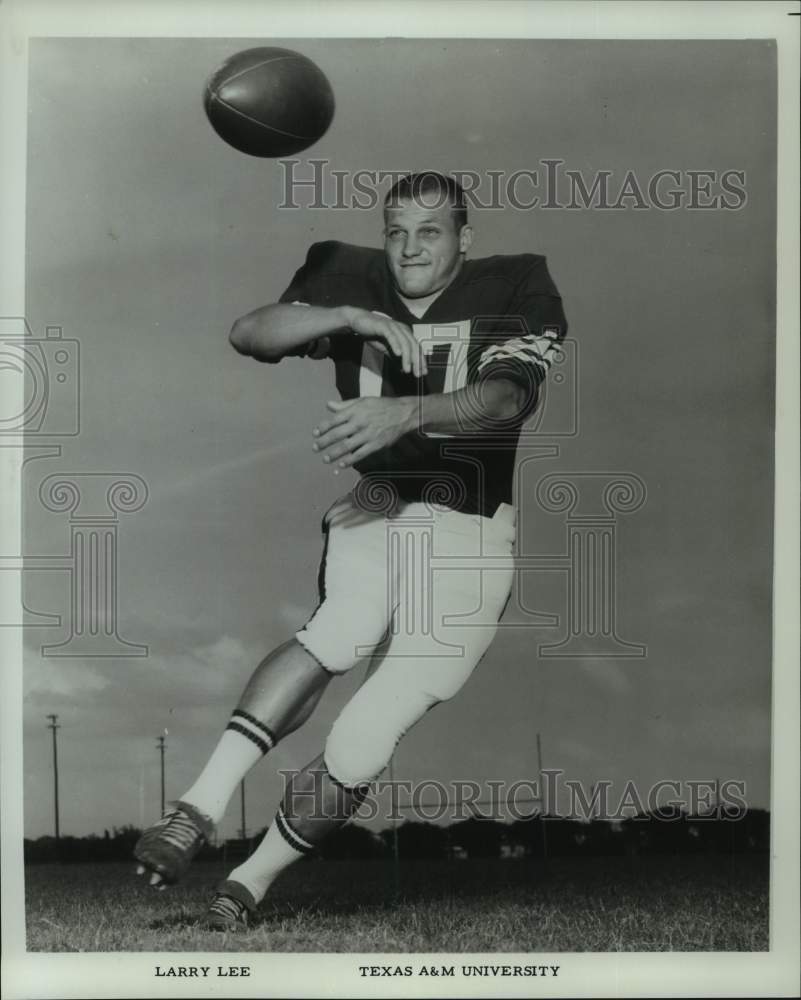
683,903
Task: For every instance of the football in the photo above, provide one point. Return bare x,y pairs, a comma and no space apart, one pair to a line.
269,102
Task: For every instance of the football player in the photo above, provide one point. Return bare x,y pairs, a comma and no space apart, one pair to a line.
438,359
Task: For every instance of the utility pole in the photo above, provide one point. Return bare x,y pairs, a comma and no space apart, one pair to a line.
243,833
395,845
162,747
542,799
53,726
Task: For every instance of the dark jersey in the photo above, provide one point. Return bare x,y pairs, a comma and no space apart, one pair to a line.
501,317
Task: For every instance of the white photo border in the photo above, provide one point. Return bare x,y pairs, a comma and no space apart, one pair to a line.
773,973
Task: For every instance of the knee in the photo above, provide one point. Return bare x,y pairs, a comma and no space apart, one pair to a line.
355,755
338,637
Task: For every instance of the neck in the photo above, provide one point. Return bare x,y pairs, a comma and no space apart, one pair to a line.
417,306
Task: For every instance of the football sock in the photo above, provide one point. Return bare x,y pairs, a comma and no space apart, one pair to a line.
280,846
319,804
244,742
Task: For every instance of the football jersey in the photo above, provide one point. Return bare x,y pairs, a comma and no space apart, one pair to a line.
500,317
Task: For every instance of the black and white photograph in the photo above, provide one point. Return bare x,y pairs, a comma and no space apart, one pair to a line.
400,499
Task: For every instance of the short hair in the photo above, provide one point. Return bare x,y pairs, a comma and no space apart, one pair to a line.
413,186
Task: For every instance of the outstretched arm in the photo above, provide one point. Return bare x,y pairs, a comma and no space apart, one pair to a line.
270,333
267,334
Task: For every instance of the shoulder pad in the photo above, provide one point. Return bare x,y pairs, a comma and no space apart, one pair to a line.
529,267
332,257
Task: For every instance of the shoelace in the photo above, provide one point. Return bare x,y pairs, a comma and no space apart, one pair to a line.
227,907
180,831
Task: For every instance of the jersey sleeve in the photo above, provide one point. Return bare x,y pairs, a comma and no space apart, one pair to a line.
520,346
311,286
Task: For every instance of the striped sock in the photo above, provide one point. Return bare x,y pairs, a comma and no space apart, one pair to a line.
249,726
280,846
244,742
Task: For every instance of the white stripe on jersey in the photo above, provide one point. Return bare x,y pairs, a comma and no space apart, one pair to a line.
371,369
429,335
532,350
432,335
457,337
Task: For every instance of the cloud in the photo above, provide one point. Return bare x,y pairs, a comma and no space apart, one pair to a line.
59,677
607,675
145,694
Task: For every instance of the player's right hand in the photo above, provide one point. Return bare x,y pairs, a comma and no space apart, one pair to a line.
397,336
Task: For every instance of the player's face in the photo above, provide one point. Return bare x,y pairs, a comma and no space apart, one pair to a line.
424,248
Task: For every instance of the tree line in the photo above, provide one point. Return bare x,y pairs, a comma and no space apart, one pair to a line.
479,837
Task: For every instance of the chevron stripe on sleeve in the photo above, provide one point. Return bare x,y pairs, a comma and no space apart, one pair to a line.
531,350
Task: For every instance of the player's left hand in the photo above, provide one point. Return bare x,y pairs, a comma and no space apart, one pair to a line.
358,427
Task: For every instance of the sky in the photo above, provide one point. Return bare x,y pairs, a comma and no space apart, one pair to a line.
147,236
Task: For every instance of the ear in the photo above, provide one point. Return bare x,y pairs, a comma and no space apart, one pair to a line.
465,238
